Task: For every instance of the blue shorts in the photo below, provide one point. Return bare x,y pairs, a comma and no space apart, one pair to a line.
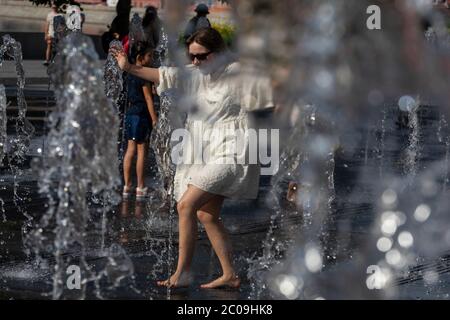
137,128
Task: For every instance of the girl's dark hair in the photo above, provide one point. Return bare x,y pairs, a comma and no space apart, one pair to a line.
151,25
120,25
209,38
140,49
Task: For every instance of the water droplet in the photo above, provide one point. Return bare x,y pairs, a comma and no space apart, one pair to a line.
384,244
405,239
289,285
389,198
389,226
431,277
313,260
422,213
407,104
394,257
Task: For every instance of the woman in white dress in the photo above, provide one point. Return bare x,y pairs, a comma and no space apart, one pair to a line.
221,100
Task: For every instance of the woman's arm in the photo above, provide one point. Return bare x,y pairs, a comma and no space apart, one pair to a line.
149,74
149,99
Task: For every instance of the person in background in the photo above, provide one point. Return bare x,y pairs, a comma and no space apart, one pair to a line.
151,24
119,28
50,33
140,118
198,22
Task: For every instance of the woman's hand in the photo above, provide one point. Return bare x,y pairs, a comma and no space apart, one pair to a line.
154,122
122,59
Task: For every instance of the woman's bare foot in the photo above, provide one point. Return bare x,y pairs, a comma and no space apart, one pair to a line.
232,282
176,281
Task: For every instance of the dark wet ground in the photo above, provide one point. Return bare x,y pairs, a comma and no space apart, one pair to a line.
143,233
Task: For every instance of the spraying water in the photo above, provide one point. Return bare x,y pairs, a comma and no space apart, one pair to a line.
19,143
24,129
113,79
80,158
3,121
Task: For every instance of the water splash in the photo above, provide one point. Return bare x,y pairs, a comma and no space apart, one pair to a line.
382,142
24,129
113,75
19,143
412,152
314,51
80,158
114,79
161,53
442,135
160,141
3,137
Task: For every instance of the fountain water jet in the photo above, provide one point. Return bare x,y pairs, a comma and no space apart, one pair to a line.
80,157
3,121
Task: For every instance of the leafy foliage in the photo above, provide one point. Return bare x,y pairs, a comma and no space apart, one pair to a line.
227,32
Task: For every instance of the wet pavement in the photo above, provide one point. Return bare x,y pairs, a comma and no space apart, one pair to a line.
137,235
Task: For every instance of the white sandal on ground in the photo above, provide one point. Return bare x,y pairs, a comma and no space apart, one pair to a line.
126,192
141,193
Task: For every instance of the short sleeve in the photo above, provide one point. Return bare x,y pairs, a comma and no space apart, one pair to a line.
168,78
256,93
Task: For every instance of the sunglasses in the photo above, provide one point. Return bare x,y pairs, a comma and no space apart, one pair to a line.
199,57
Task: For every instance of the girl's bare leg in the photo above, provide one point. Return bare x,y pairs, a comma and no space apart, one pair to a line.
127,160
48,52
209,217
192,200
140,164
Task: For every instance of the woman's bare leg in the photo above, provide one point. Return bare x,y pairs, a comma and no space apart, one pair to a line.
48,52
209,217
192,200
140,164
127,160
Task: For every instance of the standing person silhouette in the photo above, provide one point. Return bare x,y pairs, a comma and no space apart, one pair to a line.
50,33
119,28
151,24
198,22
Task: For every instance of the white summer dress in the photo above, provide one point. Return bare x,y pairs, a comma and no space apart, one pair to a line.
217,106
